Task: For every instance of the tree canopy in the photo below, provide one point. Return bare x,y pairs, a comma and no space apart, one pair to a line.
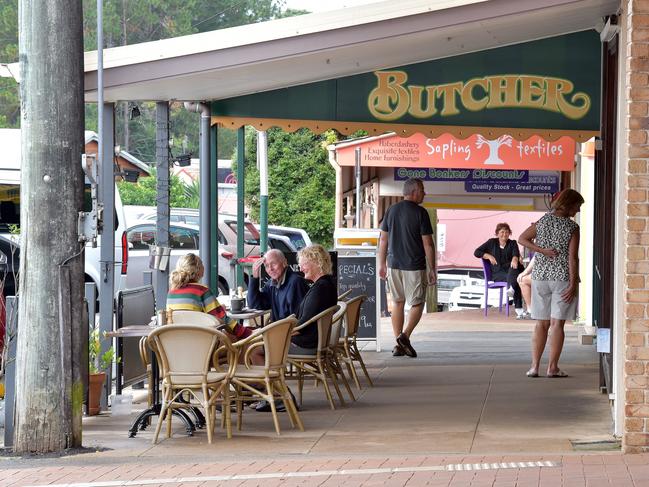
301,182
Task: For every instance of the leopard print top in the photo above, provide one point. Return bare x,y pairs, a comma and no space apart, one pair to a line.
553,232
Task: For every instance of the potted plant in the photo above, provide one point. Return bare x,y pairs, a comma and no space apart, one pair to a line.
97,364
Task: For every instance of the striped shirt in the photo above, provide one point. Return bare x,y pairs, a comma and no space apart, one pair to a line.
197,297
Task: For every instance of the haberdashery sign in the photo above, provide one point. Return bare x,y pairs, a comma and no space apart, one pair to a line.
548,84
475,151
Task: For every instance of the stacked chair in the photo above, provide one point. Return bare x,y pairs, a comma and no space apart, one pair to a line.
316,364
347,346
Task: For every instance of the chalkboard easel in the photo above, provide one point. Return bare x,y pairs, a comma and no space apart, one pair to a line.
358,273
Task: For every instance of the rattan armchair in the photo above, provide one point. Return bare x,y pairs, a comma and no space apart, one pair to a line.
267,382
185,353
316,364
349,352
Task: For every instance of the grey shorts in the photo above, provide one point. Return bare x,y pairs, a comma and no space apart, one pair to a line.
547,302
408,286
294,349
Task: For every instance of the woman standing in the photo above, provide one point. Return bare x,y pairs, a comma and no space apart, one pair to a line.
504,258
555,277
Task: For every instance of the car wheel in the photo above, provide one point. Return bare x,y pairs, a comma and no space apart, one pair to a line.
223,289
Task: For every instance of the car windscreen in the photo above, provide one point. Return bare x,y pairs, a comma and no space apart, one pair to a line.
9,206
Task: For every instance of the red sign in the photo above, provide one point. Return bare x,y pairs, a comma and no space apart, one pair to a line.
474,152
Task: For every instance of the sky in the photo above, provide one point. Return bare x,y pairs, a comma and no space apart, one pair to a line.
324,5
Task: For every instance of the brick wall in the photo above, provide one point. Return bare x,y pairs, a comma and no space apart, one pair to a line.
636,295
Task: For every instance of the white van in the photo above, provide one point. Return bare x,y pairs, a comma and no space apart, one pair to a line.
10,211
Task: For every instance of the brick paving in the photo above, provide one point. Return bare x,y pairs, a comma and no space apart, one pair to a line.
584,470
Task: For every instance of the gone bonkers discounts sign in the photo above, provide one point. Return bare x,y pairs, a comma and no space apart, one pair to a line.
473,152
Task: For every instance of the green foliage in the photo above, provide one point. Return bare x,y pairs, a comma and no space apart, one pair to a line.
97,361
9,94
144,192
301,182
193,194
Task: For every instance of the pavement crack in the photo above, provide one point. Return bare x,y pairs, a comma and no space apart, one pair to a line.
482,410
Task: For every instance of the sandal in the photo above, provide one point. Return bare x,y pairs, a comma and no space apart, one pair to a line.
558,374
531,373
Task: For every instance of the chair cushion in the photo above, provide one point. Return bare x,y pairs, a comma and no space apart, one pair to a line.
254,372
194,381
302,357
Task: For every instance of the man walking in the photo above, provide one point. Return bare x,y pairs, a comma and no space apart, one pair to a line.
407,246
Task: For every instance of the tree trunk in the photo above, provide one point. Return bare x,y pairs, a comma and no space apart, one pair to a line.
48,381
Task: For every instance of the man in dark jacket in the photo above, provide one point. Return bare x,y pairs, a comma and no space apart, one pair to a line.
283,292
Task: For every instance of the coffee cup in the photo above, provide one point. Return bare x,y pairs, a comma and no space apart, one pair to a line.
237,304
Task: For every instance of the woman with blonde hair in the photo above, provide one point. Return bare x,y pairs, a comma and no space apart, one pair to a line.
555,277
187,293
315,263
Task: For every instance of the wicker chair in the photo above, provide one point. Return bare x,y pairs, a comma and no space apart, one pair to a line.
185,352
349,348
316,364
267,382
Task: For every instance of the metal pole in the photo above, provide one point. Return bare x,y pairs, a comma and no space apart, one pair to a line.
358,187
107,245
241,175
162,217
214,211
205,243
262,154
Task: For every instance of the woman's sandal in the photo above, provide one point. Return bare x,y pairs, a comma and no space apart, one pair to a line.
531,373
557,375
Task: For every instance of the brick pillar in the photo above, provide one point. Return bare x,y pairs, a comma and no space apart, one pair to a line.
636,282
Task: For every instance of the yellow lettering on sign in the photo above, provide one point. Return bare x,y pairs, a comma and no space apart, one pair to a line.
447,94
502,91
389,100
417,100
532,91
393,98
468,99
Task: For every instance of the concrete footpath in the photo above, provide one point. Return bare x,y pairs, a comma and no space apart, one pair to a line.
462,413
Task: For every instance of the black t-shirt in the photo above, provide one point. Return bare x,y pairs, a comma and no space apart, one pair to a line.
406,222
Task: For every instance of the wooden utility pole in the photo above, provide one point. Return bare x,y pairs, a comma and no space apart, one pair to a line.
49,394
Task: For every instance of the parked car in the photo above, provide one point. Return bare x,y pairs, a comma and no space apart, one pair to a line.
286,239
182,240
298,237
467,297
10,171
9,267
450,278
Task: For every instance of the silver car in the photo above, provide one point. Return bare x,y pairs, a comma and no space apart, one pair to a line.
183,239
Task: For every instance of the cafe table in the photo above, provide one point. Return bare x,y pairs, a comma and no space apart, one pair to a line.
142,421
256,316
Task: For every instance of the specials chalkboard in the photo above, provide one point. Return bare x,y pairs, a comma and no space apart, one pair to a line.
358,273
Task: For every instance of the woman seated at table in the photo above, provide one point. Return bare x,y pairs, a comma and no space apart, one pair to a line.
315,264
186,293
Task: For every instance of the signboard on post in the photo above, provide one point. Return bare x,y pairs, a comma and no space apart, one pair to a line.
358,274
